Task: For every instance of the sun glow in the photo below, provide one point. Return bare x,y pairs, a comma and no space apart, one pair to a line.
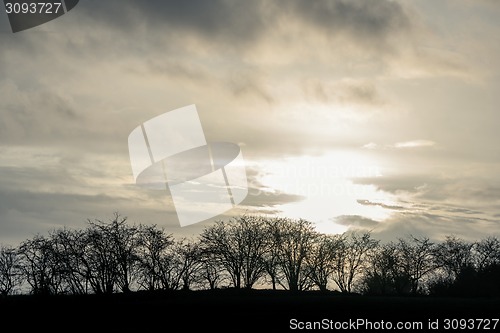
326,184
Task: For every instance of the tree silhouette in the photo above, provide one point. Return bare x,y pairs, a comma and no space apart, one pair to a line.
417,259
239,247
154,257
453,256
352,258
321,262
11,276
385,274
210,272
487,253
189,261
245,252
68,253
294,242
40,266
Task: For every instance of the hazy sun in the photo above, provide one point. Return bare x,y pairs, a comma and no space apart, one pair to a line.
326,184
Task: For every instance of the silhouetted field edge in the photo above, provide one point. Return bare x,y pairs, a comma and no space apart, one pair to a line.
224,308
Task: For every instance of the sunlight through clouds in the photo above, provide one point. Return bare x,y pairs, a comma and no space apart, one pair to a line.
326,184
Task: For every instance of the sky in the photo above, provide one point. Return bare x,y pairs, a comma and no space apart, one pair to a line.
370,115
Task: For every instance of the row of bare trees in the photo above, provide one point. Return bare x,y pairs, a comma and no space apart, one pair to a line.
246,252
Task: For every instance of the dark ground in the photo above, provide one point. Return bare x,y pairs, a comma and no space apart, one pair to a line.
232,311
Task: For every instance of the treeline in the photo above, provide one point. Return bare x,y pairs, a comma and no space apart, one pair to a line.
247,252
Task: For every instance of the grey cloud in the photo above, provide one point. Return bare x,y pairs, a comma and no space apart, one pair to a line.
261,196
238,23
223,21
481,191
177,68
200,42
370,203
45,117
242,83
36,116
35,177
464,195
237,81
438,206
436,227
258,198
26,212
405,182
358,18
43,204
452,209
356,221
359,92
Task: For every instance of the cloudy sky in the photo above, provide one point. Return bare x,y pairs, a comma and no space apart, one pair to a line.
375,115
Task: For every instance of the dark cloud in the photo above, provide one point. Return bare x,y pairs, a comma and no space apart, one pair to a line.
34,176
436,227
400,183
198,47
465,196
369,21
356,221
226,22
452,209
431,219
35,116
262,196
259,198
233,24
244,84
38,212
352,92
370,203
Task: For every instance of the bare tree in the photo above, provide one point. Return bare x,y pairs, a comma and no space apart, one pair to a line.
210,272
68,250
453,256
352,258
189,261
385,274
218,241
11,276
39,265
121,243
417,259
321,261
271,261
487,253
152,247
252,232
239,247
100,265
294,242
170,270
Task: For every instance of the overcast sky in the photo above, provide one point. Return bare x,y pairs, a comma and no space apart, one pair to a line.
375,115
